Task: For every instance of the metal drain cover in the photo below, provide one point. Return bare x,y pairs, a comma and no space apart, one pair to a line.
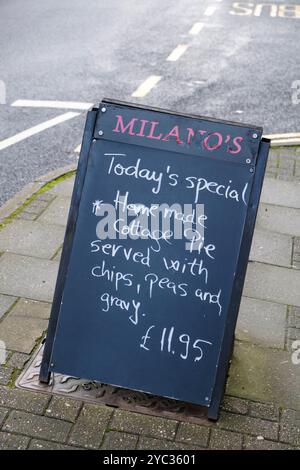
96,392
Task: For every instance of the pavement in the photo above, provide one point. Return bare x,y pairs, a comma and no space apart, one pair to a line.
261,408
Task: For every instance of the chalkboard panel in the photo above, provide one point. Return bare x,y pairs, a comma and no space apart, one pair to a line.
151,276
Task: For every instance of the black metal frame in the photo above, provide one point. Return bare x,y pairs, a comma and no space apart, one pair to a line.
68,242
236,294
177,113
237,289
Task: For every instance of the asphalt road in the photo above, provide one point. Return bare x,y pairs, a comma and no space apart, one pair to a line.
237,62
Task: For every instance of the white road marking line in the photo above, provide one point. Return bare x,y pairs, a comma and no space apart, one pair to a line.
52,104
36,129
177,52
210,10
196,28
146,86
77,149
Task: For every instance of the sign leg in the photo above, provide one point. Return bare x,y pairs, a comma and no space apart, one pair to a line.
45,370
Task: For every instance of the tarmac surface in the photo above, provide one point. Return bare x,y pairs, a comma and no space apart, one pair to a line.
236,61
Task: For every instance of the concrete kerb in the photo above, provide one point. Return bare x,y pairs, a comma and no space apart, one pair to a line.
31,191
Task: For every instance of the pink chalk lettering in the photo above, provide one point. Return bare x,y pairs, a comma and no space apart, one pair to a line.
214,146
173,133
236,141
141,131
152,129
191,135
120,127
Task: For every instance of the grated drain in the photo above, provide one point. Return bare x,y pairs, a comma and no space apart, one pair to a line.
102,394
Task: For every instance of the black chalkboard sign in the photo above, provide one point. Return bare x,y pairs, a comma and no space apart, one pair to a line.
155,253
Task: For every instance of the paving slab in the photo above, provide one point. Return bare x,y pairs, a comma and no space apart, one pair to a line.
18,360
37,426
146,443
235,405
58,255
6,301
294,317
31,309
3,415
192,434
57,212
273,283
23,400
296,253
253,443
225,440
152,426
248,425
63,408
13,442
39,444
290,427
21,333
23,215
281,193
90,426
279,219
264,410
272,248
45,196
24,276
36,207
5,373
262,322
119,441
64,188
3,353
18,200
264,374
25,237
